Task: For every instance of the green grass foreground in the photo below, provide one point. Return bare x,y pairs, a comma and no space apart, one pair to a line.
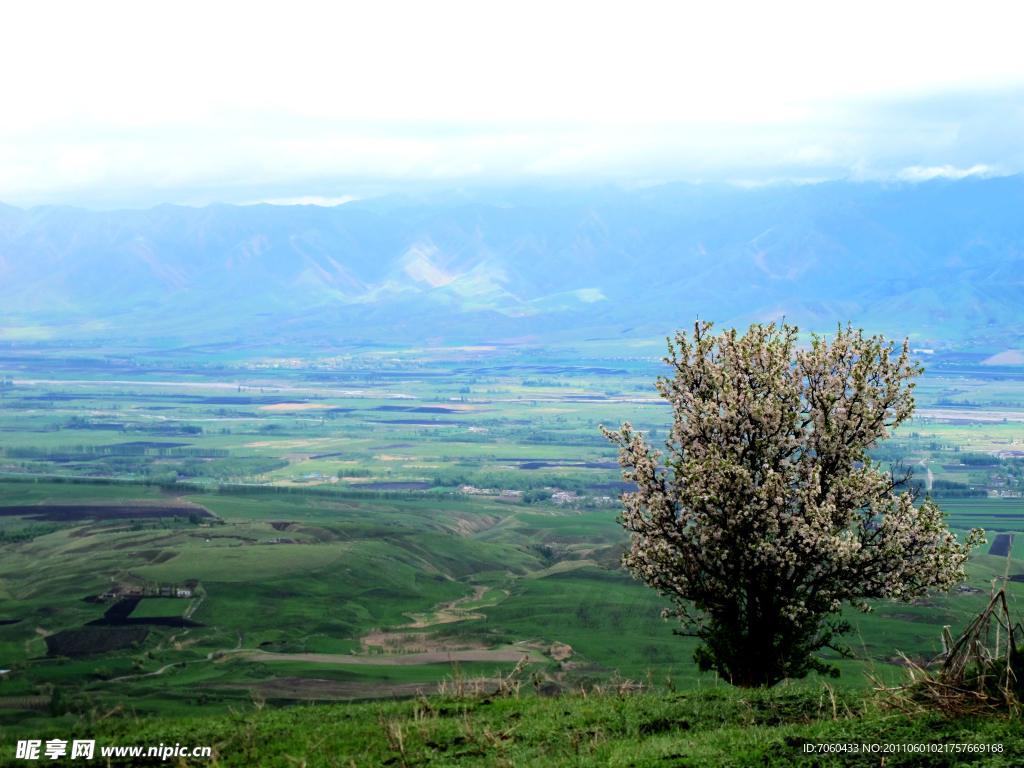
696,727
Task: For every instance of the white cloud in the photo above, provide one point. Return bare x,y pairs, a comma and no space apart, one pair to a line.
136,103
919,173
325,202
590,295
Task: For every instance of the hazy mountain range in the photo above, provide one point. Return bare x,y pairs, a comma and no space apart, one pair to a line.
940,260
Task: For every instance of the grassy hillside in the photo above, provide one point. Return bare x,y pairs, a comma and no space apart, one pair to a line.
609,728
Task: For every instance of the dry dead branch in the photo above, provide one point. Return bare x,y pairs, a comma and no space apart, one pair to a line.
976,673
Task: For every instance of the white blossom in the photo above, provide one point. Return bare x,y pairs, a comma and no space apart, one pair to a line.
767,514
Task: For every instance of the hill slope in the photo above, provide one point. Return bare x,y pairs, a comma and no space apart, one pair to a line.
709,727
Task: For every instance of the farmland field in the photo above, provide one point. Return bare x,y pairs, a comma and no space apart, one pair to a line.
326,510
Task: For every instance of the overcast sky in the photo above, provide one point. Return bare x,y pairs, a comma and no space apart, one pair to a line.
133,104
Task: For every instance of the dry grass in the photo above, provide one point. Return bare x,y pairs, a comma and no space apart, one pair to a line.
491,738
977,673
414,642
461,688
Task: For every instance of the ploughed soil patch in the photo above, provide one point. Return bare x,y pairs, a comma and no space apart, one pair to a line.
68,513
40,703
506,654
119,615
149,444
1001,545
122,609
420,422
309,688
998,515
84,641
393,486
5,622
544,464
615,487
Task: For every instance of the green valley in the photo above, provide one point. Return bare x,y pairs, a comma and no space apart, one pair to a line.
341,530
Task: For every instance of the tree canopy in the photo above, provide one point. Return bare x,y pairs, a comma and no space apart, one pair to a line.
767,514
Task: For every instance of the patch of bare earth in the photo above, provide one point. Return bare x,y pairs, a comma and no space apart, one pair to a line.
297,407
181,645
311,688
25,702
560,651
143,503
286,444
379,642
409,659
556,650
467,525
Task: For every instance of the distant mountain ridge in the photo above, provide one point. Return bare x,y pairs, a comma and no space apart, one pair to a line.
940,260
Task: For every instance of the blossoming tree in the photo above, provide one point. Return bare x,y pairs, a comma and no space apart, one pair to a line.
768,514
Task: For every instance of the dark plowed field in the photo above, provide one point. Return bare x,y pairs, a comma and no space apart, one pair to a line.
119,615
1001,545
149,444
420,422
155,621
88,640
392,486
72,513
615,487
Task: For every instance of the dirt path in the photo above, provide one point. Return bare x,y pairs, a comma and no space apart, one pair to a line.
407,659
209,657
43,634
192,608
158,672
448,613
400,641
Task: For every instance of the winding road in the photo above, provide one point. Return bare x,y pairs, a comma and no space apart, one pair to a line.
441,657
209,657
